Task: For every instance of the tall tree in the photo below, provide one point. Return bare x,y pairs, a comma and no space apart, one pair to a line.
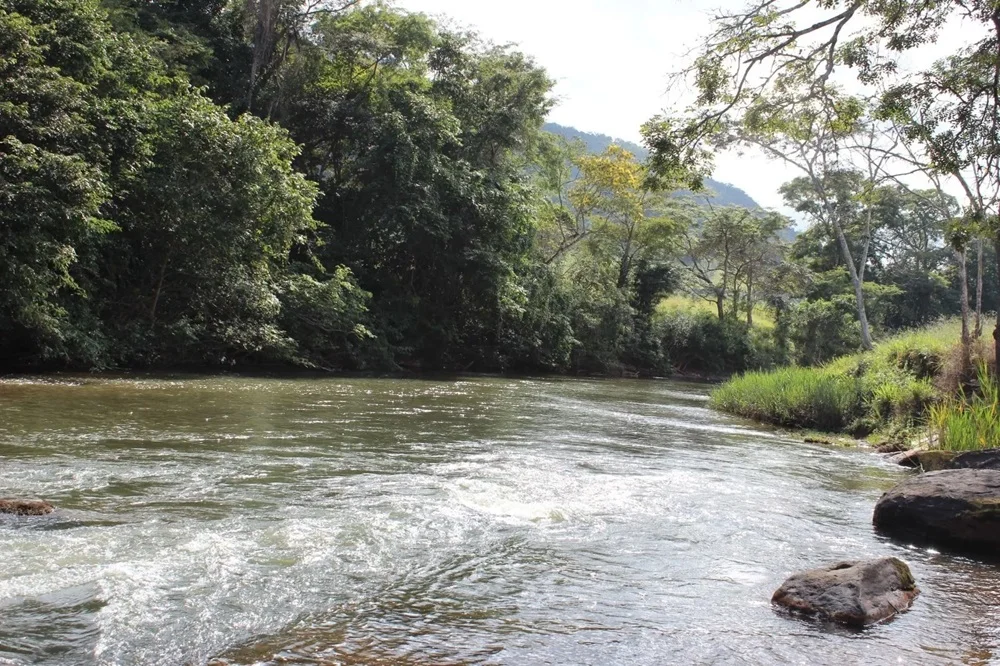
625,213
728,253
784,47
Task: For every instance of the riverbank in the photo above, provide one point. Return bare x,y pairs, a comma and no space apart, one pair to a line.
889,392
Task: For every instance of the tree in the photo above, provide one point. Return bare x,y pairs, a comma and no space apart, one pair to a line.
205,233
949,113
792,49
627,217
418,138
60,76
728,253
141,224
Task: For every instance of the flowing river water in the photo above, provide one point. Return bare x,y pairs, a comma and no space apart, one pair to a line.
241,521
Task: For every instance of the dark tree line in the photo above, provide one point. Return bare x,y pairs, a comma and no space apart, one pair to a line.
349,186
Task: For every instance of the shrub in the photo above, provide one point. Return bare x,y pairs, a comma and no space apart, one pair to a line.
701,342
822,330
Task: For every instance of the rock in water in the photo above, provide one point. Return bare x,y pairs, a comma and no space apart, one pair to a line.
957,508
850,593
25,507
985,459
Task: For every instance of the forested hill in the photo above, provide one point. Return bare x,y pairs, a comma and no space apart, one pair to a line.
723,193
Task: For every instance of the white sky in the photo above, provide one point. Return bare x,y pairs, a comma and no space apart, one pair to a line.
610,60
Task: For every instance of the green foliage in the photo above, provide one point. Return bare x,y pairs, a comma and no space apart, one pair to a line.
821,330
351,185
57,85
701,343
141,225
323,317
206,229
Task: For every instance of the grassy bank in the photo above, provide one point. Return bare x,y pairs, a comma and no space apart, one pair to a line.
892,389
968,421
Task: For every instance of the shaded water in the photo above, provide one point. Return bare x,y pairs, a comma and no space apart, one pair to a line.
482,521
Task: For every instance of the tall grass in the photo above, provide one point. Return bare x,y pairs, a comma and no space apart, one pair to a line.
799,397
963,423
857,394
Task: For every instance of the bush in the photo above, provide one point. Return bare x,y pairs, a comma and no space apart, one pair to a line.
701,342
323,318
822,330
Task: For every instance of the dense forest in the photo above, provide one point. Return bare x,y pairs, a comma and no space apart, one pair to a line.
348,186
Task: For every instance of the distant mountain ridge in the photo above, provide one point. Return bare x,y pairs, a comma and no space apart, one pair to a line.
724,194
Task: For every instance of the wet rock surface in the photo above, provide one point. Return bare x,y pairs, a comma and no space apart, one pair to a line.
854,594
927,460
985,459
954,508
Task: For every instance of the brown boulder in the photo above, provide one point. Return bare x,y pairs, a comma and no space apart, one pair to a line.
25,507
850,593
928,460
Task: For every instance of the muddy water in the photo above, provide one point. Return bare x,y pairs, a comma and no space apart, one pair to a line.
481,521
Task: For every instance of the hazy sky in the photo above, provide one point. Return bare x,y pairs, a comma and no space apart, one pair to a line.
610,60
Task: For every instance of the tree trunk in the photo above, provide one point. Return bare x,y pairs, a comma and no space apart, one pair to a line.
996,329
720,300
859,294
159,290
626,263
750,297
979,288
265,36
963,276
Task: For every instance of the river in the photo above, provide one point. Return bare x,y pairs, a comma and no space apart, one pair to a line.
235,520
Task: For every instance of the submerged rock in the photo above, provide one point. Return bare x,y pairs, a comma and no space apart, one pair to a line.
25,507
958,508
850,593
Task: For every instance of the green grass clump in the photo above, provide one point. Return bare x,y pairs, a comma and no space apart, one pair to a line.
857,394
964,424
801,397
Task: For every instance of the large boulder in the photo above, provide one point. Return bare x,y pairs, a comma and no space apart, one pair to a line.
957,508
20,507
850,593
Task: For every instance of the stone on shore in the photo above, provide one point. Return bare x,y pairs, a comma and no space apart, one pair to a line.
932,460
850,593
20,507
928,460
954,508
